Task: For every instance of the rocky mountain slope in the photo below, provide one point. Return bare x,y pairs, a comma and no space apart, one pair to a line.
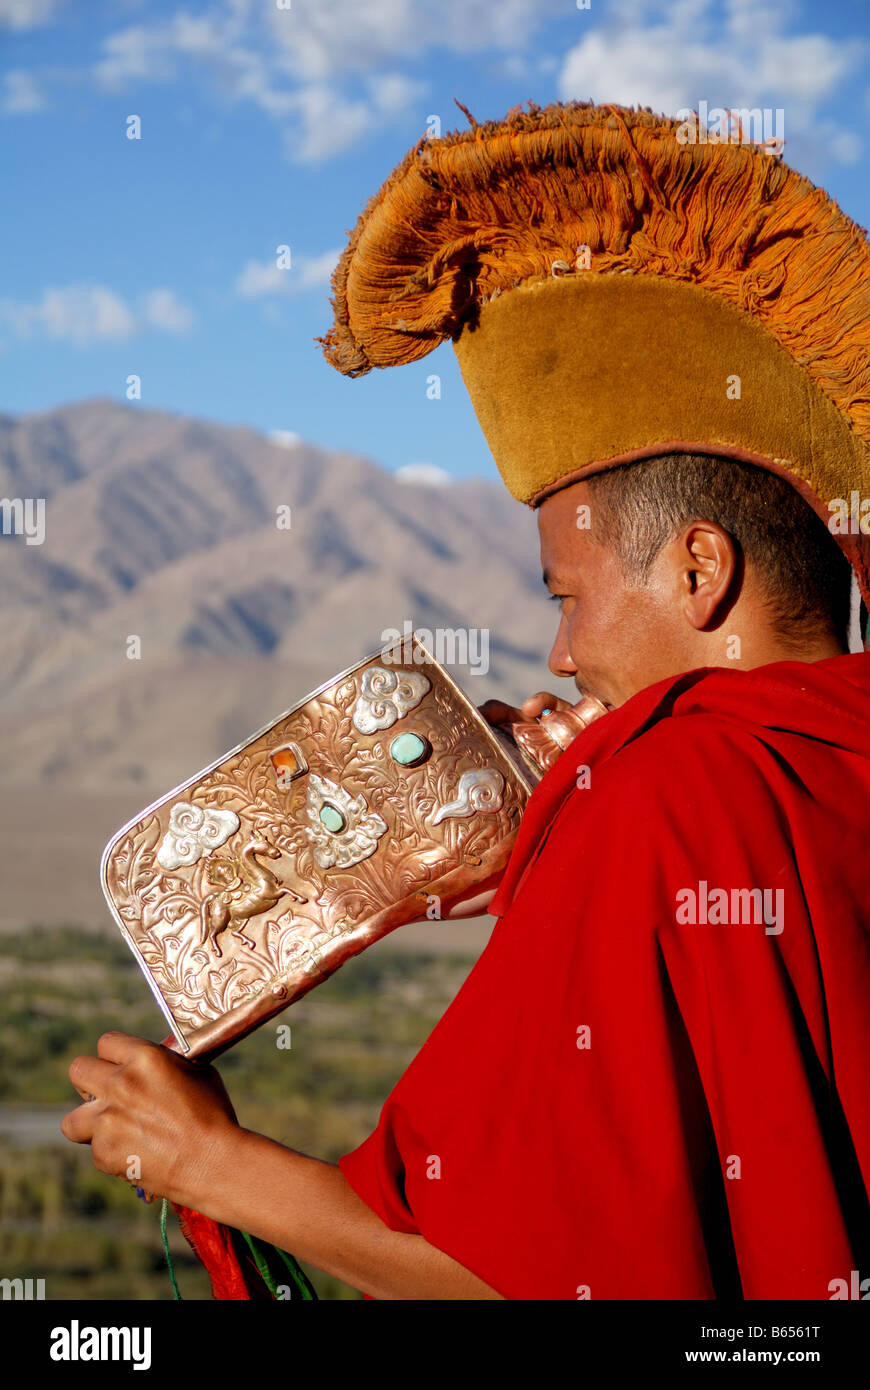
165,529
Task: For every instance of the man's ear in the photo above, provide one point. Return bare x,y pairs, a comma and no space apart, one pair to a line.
705,566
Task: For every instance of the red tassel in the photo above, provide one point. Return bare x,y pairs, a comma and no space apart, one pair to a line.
221,1250
225,1255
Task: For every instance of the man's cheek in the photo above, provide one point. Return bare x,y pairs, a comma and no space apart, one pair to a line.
589,643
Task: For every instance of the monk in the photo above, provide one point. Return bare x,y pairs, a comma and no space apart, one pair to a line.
652,1083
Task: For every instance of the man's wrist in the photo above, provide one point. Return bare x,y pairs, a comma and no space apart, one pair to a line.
210,1183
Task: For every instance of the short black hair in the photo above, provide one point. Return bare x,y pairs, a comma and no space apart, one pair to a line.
804,576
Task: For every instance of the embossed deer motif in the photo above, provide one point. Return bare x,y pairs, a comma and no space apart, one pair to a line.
244,888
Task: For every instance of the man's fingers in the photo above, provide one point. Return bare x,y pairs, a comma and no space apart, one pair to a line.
533,707
89,1075
78,1125
121,1047
497,712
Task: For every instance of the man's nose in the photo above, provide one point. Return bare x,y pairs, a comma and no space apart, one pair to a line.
560,662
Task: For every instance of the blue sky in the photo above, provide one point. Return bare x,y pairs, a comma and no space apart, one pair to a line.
264,126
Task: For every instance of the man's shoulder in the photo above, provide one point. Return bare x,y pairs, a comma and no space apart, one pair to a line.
705,776
689,776
720,726
707,746
711,765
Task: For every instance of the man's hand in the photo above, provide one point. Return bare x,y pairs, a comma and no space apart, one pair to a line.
496,712
154,1118
176,1118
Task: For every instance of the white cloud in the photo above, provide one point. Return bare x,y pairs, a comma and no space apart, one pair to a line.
321,42
637,68
328,124
83,314
21,93
328,75
285,439
317,270
805,68
163,309
423,475
26,14
732,55
78,314
134,55
392,93
260,278
245,64
750,21
845,145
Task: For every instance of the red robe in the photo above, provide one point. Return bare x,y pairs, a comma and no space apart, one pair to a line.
624,1103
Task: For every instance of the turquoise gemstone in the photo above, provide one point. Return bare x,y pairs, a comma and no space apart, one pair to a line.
331,818
409,749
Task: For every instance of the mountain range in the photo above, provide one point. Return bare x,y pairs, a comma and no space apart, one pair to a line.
250,569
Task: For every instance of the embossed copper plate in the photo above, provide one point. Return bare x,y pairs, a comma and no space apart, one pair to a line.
380,795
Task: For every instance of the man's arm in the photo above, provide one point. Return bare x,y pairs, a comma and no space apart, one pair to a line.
312,1210
176,1119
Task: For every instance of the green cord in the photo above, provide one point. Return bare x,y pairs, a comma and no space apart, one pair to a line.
262,1265
164,1212
297,1274
274,1267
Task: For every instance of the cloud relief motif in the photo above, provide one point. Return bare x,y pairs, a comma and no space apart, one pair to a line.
194,831
385,696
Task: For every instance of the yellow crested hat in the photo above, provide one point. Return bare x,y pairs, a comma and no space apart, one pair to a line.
617,285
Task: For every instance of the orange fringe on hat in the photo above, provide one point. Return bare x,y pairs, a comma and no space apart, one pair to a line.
481,211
